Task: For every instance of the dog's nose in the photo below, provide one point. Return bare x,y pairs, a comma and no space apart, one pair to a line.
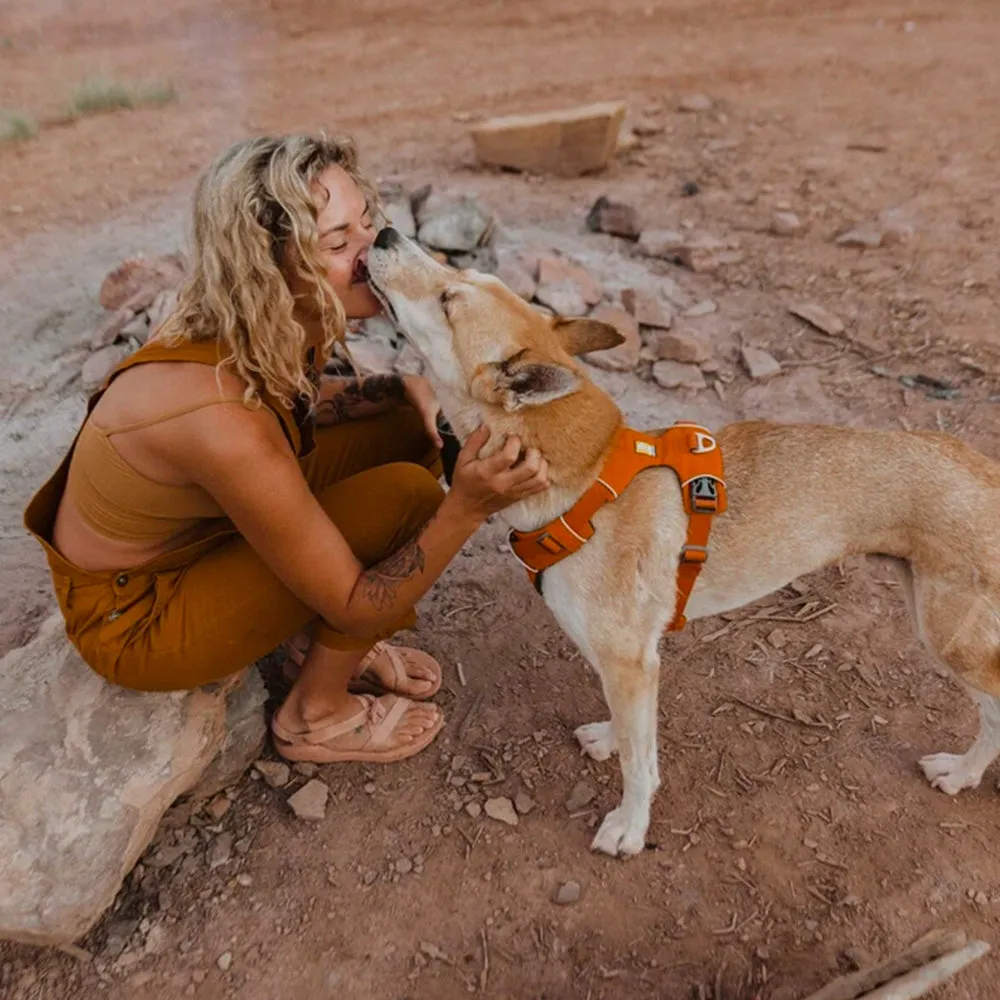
387,238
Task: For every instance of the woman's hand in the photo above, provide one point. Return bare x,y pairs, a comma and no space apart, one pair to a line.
486,485
419,394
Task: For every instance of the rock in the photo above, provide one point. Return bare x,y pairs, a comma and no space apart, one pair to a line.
673,375
157,940
163,305
786,224
221,850
897,226
474,809
580,797
309,770
517,276
87,770
309,802
218,808
661,243
118,934
616,218
647,127
567,894
693,103
625,356
567,143
275,772
99,365
137,328
225,961
704,308
454,224
822,319
702,254
141,275
404,866
553,270
482,259
647,308
246,730
398,209
863,238
680,346
758,363
502,810
523,803
408,361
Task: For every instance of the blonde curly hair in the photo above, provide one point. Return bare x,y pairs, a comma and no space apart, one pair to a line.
255,239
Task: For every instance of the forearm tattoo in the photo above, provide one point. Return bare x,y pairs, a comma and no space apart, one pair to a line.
358,397
380,583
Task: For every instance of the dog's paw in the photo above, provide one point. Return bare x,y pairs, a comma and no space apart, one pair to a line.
621,835
949,772
597,740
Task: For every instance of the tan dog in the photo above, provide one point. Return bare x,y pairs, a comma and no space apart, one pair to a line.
800,496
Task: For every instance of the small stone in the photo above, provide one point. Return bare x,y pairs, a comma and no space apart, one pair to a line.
517,276
244,880
452,224
502,810
647,308
99,365
157,940
369,878
981,898
703,308
673,375
778,639
523,803
661,243
567,894
617,218
221,850
306,768
198,976
897,226
274,772
815,315
679,346
862,238
562,297
759,364
702,254
474,809
309,802
693,103
624,356
369,788
404,866
580,797
563,286
786,224
225,961
218,807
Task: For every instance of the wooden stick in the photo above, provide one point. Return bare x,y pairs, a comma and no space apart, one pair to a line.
927,977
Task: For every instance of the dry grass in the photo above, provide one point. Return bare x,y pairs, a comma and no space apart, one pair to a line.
16,126
99,96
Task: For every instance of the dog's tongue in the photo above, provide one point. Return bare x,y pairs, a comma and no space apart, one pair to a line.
360,271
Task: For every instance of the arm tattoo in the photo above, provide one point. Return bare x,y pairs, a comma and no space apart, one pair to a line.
380,583
349,398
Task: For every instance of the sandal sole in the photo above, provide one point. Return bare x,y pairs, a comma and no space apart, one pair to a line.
316,753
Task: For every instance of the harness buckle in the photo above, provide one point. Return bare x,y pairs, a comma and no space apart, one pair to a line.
694,554
703,493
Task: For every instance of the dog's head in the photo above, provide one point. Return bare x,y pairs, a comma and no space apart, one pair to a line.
480,340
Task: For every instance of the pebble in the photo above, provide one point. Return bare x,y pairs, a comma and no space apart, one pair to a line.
862,238
474,809
198,975
553,269
703,308
309,802
679,346
580,797
225,961
275,773
369,788
218,807
221,850
786,224
515,274
674,375
523,803
404,866
244,880
616,218
822,319
692,103
306,768
759,364
661,243
568,893
502,810
647,308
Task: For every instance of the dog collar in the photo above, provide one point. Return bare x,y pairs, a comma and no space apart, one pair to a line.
696,459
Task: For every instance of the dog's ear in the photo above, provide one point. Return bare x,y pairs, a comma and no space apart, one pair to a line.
520,381
581,336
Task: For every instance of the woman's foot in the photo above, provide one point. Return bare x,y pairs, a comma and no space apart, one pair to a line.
369,729
384,669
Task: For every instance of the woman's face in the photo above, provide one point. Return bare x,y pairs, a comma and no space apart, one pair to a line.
345,234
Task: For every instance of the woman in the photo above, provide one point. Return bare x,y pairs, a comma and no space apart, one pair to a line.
223,495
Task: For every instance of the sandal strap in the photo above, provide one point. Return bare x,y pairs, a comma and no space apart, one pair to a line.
330,732
385,726
393,655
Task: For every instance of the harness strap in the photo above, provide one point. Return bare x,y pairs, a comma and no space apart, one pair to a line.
694,456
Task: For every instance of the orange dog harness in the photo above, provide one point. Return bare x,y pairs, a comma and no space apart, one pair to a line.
693,454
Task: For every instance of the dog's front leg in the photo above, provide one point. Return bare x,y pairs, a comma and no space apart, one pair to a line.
630,687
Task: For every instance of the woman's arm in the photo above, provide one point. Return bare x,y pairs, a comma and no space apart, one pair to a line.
246,464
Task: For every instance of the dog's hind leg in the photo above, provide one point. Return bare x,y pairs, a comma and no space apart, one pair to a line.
630,687
951,772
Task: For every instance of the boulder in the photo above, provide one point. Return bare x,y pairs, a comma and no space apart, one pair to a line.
87,770
453,224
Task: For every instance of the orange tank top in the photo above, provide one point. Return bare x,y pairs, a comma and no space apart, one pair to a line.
120,503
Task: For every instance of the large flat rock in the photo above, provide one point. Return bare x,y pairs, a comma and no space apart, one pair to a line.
86,772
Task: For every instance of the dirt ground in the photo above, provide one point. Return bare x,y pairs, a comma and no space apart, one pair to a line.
783,852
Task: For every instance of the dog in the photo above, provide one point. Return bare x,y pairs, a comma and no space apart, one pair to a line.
801,497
